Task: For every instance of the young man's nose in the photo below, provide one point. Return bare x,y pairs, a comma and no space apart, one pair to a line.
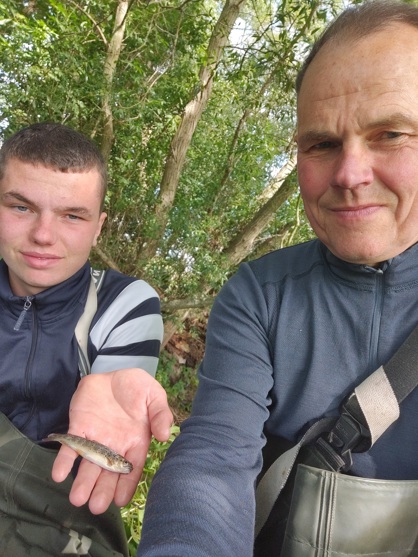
44,230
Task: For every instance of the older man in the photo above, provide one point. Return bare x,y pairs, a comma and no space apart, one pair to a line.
294,332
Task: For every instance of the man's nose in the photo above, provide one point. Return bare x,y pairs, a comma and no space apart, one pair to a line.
43,231
353,167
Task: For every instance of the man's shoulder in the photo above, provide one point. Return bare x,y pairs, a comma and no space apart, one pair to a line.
290,261
120,289
112,277
116,281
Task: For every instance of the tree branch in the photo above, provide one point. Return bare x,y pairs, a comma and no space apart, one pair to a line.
107,260
96,26
243,243
187,303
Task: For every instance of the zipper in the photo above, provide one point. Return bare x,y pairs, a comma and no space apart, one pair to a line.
28,371
29,304
26,306
377,315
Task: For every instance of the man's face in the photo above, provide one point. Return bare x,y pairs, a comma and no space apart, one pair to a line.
358,145
49,220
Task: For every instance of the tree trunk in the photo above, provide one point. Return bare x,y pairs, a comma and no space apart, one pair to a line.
113,53
190,118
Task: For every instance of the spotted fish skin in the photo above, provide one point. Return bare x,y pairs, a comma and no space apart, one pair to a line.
94,452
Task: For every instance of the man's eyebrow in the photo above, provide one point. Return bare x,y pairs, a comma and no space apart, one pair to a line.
397,119
313,136
16,195
76,209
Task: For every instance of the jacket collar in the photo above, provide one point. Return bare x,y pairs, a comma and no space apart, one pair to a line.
400,271
62,298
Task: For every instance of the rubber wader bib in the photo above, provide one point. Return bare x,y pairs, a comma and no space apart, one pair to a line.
36,516
335,515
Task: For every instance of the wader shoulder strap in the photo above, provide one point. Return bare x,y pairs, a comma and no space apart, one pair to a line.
365,416
83,325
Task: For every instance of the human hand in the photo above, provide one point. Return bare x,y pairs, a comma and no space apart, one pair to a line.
120,409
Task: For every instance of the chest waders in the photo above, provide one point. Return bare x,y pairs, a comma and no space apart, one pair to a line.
36,516
306,503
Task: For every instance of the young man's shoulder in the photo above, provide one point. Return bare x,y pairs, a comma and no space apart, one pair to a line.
120,289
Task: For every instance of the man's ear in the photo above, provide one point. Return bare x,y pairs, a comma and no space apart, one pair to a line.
102,218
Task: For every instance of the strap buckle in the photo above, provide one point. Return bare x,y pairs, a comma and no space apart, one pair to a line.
349,434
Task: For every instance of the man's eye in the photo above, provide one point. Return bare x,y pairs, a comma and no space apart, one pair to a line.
392,135
323,145
21,208
73,217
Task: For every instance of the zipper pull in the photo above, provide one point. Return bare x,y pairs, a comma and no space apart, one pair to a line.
27,305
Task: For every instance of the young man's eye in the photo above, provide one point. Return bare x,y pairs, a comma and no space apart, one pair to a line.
21,208
73,217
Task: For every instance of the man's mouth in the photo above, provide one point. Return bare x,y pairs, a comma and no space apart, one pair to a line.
40,260
359,211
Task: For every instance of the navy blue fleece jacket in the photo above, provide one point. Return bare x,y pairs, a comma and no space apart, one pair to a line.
288,337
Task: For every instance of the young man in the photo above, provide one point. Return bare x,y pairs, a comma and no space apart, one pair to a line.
52,189
293,333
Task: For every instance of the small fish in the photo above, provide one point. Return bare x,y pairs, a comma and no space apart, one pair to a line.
95,452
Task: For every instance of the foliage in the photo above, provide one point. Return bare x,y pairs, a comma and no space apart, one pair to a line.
62,61
179,382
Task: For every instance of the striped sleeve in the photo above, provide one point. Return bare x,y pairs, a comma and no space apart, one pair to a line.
129,333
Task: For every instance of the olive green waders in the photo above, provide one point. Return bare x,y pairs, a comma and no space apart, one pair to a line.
336,515
308,506
36,517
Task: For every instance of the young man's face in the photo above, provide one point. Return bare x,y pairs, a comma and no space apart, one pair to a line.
358,145
49,220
